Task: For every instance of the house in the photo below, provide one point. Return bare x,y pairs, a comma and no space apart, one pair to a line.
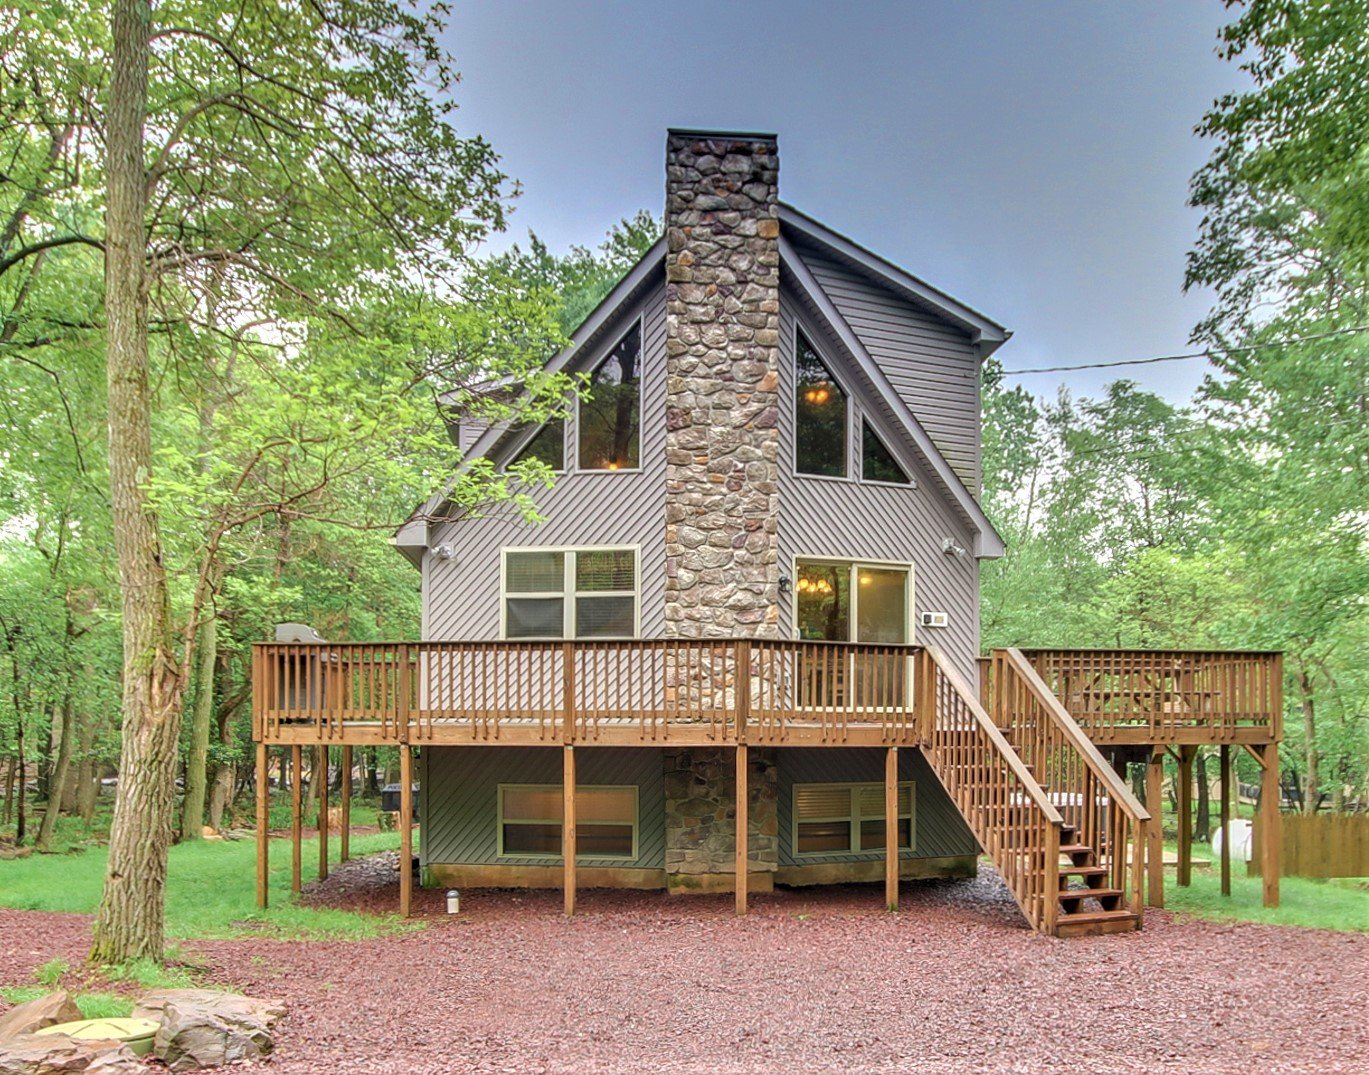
743,648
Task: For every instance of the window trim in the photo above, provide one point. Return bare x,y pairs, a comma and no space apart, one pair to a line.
856,562
568,592
800,329
854,819
559,789
639,323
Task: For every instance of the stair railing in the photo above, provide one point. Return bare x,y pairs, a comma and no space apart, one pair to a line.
1007,810
1079,782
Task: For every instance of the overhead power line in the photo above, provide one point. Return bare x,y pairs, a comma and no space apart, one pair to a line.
1191,354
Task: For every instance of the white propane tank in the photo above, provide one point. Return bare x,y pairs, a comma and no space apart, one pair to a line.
1241,832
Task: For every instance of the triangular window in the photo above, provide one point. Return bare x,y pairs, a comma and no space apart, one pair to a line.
548,446
877,462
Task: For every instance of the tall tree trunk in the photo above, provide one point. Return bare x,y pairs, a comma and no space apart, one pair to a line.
58,783
131,920
1312,783
1202,815
9,789
202,716
74,796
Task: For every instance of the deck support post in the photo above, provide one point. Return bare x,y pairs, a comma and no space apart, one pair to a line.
742,880
568,827
406,829
1225,817
345,832
296,814
321,775
1184,874
263,823
1271,824
891,829
1155,842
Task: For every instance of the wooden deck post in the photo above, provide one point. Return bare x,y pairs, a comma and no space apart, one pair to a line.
321,775
1155,841
345,833
891,829
296,814
1271,824
406,829
263,825
742,879
1184,874
1225,816
568,826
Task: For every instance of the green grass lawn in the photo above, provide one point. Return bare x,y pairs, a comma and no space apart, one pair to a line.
211,890
1340,905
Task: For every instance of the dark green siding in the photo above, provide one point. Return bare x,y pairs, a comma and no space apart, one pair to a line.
460,808
939,831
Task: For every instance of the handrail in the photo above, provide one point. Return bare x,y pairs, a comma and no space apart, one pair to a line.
1115,785
991,730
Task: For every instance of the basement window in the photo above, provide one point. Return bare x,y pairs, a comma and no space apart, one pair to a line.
819,415
570,593
877,463
531,815
847,819
610,417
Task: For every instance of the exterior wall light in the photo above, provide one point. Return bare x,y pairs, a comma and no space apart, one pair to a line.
950,548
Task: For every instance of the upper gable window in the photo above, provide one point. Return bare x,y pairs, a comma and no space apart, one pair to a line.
610,426
877,463
819,416
548,446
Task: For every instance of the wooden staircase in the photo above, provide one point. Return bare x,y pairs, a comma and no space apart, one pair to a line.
1043,803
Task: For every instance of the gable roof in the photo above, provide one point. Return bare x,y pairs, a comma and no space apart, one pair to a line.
987,542
986,334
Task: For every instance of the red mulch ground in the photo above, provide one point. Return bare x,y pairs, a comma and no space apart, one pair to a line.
816,981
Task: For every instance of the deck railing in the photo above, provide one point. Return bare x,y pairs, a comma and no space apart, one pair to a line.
758,691
1015,822
1079,782
1164,695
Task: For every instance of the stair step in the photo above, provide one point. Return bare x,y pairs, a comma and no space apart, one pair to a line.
1088,923
1072,899
1088,873
1075,849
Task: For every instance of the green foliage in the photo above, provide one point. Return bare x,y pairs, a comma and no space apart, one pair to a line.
211,892
92,1005
52,972
1302,901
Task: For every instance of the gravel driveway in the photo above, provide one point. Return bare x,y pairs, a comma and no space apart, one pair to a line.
815,981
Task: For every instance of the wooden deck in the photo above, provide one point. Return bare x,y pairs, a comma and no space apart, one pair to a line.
685,692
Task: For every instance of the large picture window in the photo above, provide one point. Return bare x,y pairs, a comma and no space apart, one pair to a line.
570,593
847,819
531,816
819,415
609,427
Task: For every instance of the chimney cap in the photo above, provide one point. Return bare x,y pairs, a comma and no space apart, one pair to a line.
723,135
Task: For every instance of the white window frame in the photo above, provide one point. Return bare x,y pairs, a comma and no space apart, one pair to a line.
499,821
853,818
856,564
568,593
574,445
850,475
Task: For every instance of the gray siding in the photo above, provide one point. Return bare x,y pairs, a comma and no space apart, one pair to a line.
849,518
931,363
461,595
460,798
938,829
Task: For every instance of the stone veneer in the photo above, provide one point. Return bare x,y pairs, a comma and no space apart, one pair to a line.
701,816
722,364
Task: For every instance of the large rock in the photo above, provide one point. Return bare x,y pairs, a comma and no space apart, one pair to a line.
203,1028
45,1011
56,1054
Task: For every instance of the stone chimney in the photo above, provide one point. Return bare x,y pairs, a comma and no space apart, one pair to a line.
722,363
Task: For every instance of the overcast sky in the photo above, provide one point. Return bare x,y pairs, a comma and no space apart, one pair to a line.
1029,158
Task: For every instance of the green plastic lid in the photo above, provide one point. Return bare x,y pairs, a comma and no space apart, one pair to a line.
137,1034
